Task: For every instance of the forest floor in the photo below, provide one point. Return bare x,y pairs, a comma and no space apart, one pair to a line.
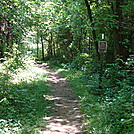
66,117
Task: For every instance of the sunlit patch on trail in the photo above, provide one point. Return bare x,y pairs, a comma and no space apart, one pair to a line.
59,125
54,79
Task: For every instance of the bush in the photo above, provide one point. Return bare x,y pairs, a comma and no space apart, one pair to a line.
22,104
107,109
80,61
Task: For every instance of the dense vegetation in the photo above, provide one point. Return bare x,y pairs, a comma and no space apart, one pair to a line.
23,95
107,110
67,33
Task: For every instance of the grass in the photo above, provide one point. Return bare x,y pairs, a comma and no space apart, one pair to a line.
103,114
22,99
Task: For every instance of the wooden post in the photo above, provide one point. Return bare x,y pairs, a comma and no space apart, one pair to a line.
102,50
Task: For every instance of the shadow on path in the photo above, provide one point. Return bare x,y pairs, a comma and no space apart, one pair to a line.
66,117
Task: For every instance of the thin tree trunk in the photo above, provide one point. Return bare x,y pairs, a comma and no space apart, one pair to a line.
54,49
1,50
51,44
122,51
93,31
37,45
43,57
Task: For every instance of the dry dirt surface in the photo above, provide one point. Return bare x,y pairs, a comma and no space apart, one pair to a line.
66,118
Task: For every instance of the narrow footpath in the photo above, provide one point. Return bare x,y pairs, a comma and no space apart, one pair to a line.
66,118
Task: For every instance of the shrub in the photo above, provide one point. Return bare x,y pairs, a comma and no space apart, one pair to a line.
81,60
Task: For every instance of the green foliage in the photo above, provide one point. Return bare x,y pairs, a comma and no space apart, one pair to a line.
22,99
108,109
80,60
13,64
61,31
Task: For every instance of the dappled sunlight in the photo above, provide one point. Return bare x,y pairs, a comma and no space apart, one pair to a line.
22,103
59,128
53,76
62,124
60,70
28,75
90,43
66,117
54,79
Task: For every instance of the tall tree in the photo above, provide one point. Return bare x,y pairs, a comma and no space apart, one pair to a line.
93,31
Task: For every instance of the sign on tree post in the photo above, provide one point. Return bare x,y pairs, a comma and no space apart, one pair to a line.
102,47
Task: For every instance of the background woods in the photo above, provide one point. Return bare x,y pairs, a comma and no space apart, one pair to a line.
67,25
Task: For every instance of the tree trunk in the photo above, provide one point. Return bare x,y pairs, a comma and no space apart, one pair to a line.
43,57
1,49
50,49
93,31
37,45
122,51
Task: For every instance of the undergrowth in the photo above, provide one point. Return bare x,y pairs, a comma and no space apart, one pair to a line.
22,97
107,105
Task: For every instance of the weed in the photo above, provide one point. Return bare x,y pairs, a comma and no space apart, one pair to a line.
22,102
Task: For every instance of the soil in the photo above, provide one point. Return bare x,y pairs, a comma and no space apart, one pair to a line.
66,117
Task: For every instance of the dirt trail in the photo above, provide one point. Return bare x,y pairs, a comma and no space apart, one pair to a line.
66,117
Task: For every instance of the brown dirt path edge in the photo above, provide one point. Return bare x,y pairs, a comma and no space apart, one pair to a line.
66,118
